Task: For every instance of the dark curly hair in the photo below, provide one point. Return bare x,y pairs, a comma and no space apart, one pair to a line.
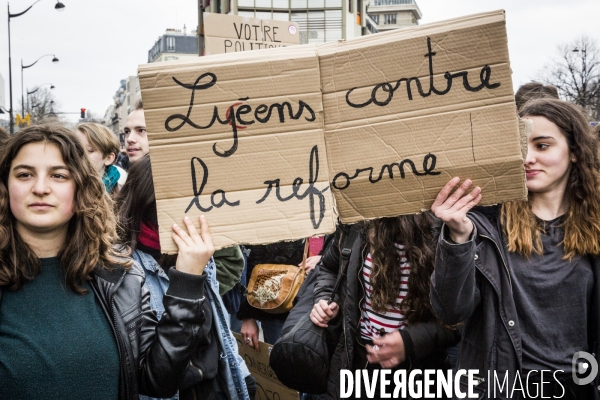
416,234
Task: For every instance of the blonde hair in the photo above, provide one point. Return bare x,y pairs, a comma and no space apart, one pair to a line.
101,138
582,219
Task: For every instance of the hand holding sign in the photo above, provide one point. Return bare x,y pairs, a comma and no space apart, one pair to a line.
194,249
452,208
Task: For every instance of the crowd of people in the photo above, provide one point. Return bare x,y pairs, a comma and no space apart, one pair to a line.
91,308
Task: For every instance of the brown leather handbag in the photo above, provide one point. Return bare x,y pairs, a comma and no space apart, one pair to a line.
273,287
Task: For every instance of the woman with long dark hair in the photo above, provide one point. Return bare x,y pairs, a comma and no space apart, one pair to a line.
216,370
523,277
384,310
75,321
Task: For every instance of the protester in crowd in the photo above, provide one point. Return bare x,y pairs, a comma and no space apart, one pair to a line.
102,148
534,90
524,276
123,161
209,374
75,321
383,302
136,137
271,324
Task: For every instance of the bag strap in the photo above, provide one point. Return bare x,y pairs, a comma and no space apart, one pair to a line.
347,241
303,267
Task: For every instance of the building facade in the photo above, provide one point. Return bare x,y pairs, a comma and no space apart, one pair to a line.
393,14
319,21
124,100
175,44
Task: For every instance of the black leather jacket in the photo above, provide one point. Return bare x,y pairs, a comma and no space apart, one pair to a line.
153,355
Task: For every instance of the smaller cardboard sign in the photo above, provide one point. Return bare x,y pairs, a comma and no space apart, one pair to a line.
230,33
219,45
267,385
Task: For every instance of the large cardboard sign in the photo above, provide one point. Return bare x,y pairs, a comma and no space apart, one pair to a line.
267,385
231,33
275,145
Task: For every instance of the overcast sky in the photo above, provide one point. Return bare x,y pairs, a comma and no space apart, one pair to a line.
100,42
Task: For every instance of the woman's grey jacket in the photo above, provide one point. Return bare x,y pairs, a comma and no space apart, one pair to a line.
472,285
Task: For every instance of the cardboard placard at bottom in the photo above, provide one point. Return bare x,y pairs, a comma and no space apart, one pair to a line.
268,386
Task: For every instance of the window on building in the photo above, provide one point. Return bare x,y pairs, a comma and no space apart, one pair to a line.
389,19
318,21
171,43
375,18
318,26
281,16
263,15
392,2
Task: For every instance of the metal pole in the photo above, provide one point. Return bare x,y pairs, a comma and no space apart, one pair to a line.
200,27
12,120
22,97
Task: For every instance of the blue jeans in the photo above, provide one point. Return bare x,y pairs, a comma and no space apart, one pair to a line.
453,356
235,324
272,329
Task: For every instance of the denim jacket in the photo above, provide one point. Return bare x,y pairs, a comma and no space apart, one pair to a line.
231,366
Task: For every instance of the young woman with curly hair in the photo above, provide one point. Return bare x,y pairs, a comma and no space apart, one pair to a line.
523,277
386,317
74,319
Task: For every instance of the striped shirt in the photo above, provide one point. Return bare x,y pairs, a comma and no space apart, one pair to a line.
372,322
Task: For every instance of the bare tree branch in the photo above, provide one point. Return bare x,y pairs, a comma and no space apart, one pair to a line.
575,72
41,106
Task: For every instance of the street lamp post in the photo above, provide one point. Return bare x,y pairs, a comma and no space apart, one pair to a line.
581,92
59,7
54,59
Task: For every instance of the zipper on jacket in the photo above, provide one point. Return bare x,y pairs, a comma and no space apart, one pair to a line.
479,379
502,257
362,257
121,346
344,322
197,369
511,288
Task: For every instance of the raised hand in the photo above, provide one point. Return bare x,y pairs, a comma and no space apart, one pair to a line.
452,208
194,249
